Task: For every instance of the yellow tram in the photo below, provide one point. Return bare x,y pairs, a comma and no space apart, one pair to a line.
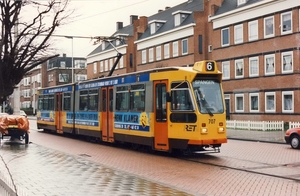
170,108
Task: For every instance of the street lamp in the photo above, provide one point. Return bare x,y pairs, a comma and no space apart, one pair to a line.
72,67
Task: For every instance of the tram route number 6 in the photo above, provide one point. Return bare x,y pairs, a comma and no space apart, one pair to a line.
210,66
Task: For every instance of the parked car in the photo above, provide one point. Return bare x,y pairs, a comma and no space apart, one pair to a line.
23,113
292,137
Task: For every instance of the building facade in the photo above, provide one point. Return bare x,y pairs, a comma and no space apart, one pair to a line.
55,72
256,44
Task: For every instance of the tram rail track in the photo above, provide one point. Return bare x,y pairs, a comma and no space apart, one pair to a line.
266,169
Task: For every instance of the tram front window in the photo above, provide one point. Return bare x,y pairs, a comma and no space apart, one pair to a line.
208,96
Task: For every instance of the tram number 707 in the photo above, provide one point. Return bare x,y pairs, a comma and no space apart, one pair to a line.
191,128
211,121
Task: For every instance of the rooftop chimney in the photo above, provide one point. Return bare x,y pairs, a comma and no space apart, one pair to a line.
167,7
160,11
119,25
133,18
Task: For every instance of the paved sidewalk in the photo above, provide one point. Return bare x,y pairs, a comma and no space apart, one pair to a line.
60,174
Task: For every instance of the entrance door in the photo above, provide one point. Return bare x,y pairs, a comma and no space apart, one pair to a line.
58,113
161,141
107,114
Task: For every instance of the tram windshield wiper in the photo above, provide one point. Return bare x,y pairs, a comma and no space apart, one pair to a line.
202,101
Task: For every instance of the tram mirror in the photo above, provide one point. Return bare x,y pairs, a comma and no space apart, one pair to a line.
168,97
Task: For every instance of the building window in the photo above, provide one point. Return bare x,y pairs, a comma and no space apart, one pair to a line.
80,77
175,49
106,65
144,57
166,51
177,19
184,46
63,77
254,102
80,64
270,64
287,62
101,66
158,53
241,2
286,23
117,65
50,77
225,37
121,61
253,67
151,55
95,67
287,101
111,64
63,64
270,102
239,68
239,103
253,30
226,70
269,27
238,34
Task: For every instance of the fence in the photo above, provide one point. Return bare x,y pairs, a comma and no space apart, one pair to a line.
265,131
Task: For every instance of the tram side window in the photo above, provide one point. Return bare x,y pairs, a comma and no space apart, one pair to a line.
122,98
51,102
83,100
40,102
137,97
181,99
93,100
67,102
45,102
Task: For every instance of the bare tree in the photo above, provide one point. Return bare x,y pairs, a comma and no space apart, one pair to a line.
24,40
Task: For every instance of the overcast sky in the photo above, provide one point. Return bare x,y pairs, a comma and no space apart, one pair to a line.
99,17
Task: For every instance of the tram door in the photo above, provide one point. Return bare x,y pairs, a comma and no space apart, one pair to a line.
107,114
161,141
58,112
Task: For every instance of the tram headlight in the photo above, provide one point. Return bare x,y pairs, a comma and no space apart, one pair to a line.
204,130
221,129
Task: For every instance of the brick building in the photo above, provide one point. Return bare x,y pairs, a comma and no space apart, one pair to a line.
256,44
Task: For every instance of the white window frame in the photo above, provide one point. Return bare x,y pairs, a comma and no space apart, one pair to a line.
184,43
101,66
158,53
270,72
175,49
106,65
267,23
250,102
144,56
241,2
226,70
121,63
238,34
151,55
95,67
281,22
284,68
236,96
253,59
61,77
222,41
291,110
111,63
236,62
177,19
268,94
253,30
166,51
